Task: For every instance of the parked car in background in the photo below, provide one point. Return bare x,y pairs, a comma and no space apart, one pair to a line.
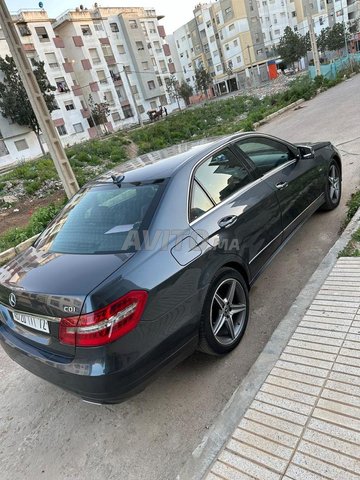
155,259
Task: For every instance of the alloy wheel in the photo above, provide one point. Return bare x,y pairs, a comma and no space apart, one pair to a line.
228,311
334,184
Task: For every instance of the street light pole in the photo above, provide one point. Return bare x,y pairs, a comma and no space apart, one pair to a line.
38,103
133,98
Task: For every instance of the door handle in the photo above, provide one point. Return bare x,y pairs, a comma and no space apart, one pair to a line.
281,185
226,222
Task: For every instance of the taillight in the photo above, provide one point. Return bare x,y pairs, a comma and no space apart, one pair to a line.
104,325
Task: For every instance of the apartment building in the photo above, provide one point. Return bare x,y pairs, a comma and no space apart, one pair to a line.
38,38
118,55
226,38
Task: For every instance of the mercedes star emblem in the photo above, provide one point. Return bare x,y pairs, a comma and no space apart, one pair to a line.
12,299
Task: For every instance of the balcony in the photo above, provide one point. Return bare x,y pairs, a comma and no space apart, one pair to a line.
68,67
85,112
58,42
29,47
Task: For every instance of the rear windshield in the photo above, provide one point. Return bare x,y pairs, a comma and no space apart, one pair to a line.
101,219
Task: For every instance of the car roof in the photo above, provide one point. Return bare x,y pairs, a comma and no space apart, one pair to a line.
164,163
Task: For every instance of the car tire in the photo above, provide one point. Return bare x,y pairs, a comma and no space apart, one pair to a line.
332,187
225,313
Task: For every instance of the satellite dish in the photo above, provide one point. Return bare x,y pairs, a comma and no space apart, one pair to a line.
81,7
41,5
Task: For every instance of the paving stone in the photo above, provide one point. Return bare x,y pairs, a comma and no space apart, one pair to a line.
295,367
293,385
330,327
340,397
330,320
335,431
337,418
286,393
212,476
345,378
257,455
278,436
332,308
335,303
312,353
226,472
297,473
350,352
279,412
337,342
312,362
344,388
251,468
273,422
313,346
320,333
328,314
322,468
325,440
354,362
285,403
340,367
330,456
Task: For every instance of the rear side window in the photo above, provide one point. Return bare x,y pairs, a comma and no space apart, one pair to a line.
222,175
200,202
265,153
101,219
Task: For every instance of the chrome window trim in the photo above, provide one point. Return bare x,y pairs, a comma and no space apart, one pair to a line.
235,194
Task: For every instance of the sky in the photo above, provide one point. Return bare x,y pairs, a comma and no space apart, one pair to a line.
176,13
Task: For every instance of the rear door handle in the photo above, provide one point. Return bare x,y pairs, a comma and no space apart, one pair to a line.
226,222
281,185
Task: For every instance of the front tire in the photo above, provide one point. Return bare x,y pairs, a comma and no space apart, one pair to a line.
332,187
225,313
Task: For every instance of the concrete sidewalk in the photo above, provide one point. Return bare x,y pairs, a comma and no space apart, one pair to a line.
304,423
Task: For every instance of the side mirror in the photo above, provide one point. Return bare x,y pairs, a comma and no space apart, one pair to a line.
305,152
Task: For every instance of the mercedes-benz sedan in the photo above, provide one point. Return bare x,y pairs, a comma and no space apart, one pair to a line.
155,259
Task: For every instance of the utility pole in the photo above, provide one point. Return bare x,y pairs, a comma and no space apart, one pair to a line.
133,98
38,104
251,64
314,48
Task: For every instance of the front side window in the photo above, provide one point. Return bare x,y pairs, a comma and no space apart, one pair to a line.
265,153
100,219
222,175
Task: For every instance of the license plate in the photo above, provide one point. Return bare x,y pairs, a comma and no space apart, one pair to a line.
30,321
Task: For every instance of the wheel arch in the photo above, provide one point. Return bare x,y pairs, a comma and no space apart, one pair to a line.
240,269
336,158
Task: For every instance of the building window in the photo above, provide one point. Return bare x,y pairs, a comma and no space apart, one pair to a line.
51,60
86,30
121,49
42,34
153,61
141,109
218,68
94,55
277,32
133,24
139,45
227,47
212,39
116,116
127,111
21,145
293,14
163,66
231,27
159,81
101,76
61,85
108,97
145,65
69,105
228,11
114,27
151,26
61,130
78,127
238,59
134,89
235,43
127,68
153,105
259,51
151,85
24,30
98,25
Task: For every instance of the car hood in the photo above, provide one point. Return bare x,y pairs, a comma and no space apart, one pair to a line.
45,282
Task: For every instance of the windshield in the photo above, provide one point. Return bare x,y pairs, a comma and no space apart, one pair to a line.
101,219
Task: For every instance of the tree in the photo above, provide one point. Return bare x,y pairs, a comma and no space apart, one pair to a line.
172,88
292,46
185,91
14,102
202,80
99,111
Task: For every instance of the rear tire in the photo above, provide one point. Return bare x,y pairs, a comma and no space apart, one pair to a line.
225,313
333,187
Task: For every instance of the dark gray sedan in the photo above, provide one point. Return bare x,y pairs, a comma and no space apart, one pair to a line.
156,258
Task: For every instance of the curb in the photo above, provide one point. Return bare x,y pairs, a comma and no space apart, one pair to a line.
208,450
12,252
279,112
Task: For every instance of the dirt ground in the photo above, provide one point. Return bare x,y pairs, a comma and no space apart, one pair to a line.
19,214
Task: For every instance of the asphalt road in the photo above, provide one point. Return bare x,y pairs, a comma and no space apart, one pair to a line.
46,433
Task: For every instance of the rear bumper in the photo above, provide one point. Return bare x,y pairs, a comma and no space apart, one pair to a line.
88,378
